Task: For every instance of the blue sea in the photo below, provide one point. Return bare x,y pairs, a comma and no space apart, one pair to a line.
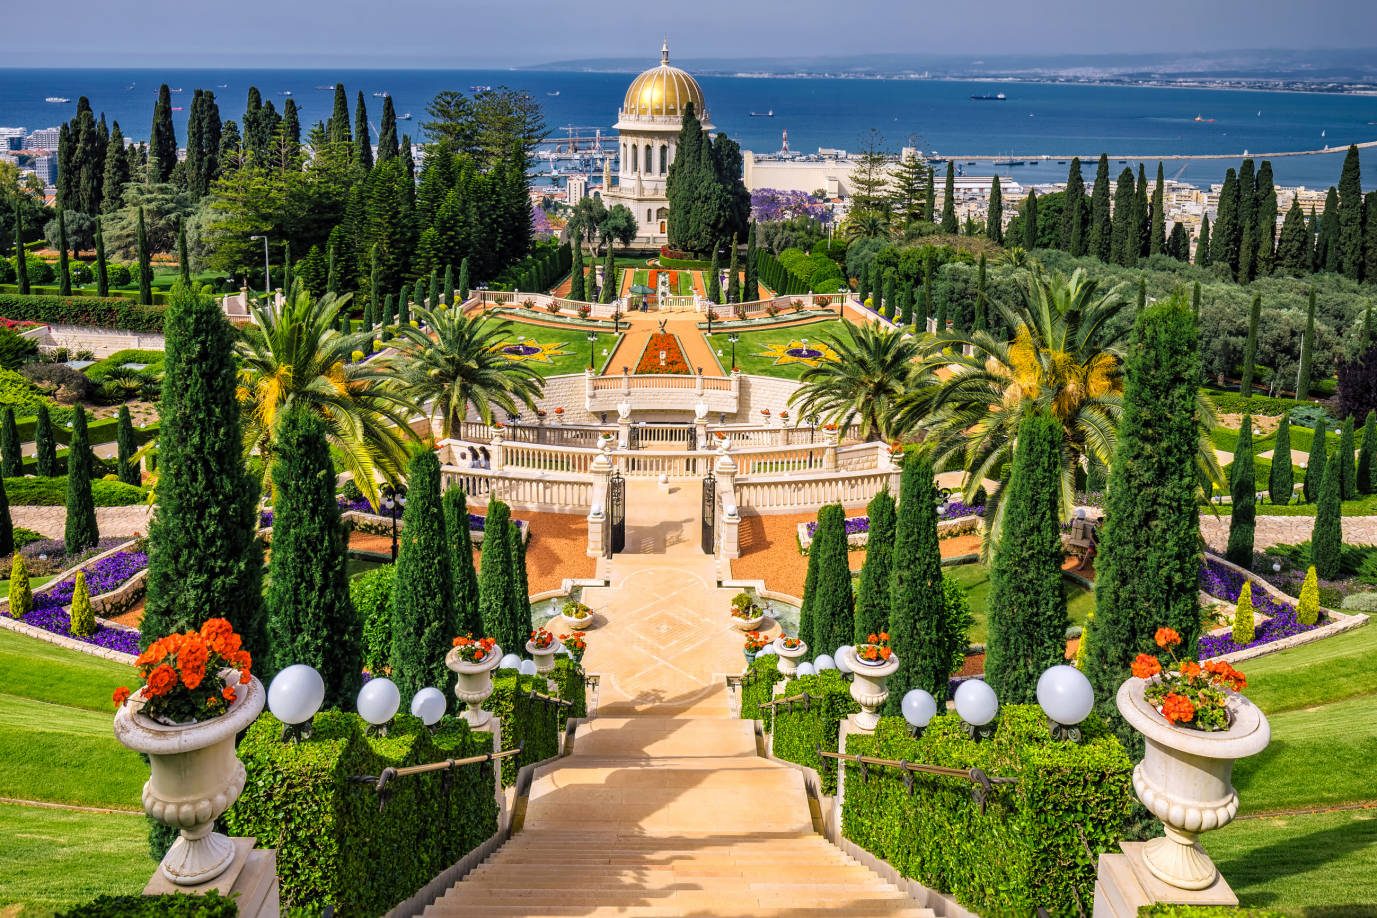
1053,120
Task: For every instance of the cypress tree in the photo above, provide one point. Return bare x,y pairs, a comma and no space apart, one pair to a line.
1326,539
1243,491
1141,217
1195,301
1307,349
930,197
1027,618
145,265
927,297
1294,244
64,271
949,201
609,275
464,279
162,140
1227,231
715,280
980,281
457,531
1367,470
1369,271
1265,219
994,223
1348,479
1280,481
520,591
6,527
403,308
433,291
1125,228
1245,385
20,593
1157,234
1314,468
872,596
184,257
363,147
1073,237
21,262
1101,243
863,284
834,619
495,582
83,617
337,128
1203,244
423,624
1247,255
1247,206
918,630
387,132
204,558
128,469
1308,608
576,275
448,287
1030,220
733,281
751,293
892,298
11,453
1350,238
1327,236
1148,565
45,447
311,619
102,275
807,613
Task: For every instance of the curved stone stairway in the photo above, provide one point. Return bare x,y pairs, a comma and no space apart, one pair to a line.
669,816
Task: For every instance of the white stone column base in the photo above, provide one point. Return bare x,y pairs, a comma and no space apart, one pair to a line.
1124,884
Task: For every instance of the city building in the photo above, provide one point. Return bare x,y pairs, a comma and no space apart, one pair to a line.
12,138
577,189
44,139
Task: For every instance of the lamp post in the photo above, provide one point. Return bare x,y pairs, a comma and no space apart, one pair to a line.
592,339
733,338
393,500
267,272
812,426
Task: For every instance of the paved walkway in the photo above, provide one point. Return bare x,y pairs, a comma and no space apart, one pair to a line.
641,325
1283,530
112,521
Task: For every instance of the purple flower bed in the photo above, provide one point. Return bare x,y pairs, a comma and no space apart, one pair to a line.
58,622
1223,583
105,575
858,524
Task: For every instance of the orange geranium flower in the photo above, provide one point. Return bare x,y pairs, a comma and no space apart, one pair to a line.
228,693
121,695
1146,666
1190,669
214,628
162,680
1177,708
884,635
1166,637
872,639
885,653
154,654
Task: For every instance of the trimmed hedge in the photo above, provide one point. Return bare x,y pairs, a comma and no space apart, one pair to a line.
1025,851
52,492
568,675
799,732
537,723
766,670
1258,405
96,312
176,905
97,371
1166,910
333,845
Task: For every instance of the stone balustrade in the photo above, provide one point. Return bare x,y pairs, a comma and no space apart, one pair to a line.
662,392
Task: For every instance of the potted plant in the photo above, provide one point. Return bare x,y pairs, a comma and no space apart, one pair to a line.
197,695
747,614
789,649
755,643
552,307
585,311
875,651
542,647
1195,724
473,660
873,662
576,615
772,310
576,645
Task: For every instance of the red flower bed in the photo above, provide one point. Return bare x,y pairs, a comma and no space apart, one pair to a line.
674,356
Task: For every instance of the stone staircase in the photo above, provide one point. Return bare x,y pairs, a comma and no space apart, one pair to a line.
669,816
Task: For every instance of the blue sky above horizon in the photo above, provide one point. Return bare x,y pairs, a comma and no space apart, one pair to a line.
468,34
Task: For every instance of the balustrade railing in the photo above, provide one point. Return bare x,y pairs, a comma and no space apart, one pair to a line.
780,495
534,489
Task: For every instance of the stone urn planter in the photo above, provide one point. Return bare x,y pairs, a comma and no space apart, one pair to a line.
544,657
571,618
475,684
788,658
1185,780
194,777
749,624
868,687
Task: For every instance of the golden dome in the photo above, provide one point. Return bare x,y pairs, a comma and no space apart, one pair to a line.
663,90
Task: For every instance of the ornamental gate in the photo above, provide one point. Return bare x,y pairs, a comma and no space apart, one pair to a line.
709,513
616,514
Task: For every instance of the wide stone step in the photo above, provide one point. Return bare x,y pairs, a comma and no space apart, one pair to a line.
725,876
636,738
497,904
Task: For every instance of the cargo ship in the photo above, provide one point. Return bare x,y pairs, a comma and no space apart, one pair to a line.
997,97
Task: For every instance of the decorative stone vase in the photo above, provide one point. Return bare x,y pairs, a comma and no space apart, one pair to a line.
194,777
868,687
475,683
576,624
1185,780
749,624
788,659
750,657
544,659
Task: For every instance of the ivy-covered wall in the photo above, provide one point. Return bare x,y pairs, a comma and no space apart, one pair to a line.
762,674
536,722
1025,850
800,730
568,675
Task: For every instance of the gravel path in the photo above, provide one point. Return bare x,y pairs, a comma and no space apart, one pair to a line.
112,521
1275,530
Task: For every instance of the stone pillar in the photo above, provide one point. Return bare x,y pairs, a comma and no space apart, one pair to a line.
700,424
829,449
601,469
495,449
729,545
698,383
624,424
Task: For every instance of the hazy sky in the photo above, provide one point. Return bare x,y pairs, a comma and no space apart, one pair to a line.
465,33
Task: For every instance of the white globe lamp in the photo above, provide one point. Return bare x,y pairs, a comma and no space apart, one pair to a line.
527,668
1067,698
429,705
840,658
977,706
509,661
378,702
805,669
294,696
918,708
823,661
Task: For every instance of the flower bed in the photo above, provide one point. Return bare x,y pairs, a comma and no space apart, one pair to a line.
675,363
1224,583
49,606
952,519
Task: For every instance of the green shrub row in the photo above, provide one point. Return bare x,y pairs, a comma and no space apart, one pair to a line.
764,673
1167,910
97,371
52,492
333,845
95,312
800,729
536,723
177,905
568,675
1259,405
98,432
1026,849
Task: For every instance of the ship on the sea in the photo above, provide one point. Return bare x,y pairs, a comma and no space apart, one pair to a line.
406,117
766,114
997,97
57,99
1010,162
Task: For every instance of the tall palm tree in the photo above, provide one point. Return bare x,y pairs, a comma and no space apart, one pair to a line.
1065,358
294,354
455,363
875,371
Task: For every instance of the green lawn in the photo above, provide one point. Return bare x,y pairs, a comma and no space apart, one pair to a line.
571,355
45,672
753,344
1315,674
53,859
975,580
62,754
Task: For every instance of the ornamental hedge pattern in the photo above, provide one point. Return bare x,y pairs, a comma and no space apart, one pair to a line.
1024,851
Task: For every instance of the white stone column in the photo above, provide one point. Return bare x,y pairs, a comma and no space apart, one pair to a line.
700,424
495,449
624,424
729,545
829,451
601,468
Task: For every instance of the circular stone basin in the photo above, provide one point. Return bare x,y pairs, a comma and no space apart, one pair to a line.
521,350
804,353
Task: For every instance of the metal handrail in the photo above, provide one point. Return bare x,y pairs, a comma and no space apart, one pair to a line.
381,781
549,699
744,679
982,784
804,697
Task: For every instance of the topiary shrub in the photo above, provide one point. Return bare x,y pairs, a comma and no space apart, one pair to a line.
1025,849
83,616
20,594
799,729
334,845
1308,608
176,905
524,719
758,686
1244,629
371,594
568,676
